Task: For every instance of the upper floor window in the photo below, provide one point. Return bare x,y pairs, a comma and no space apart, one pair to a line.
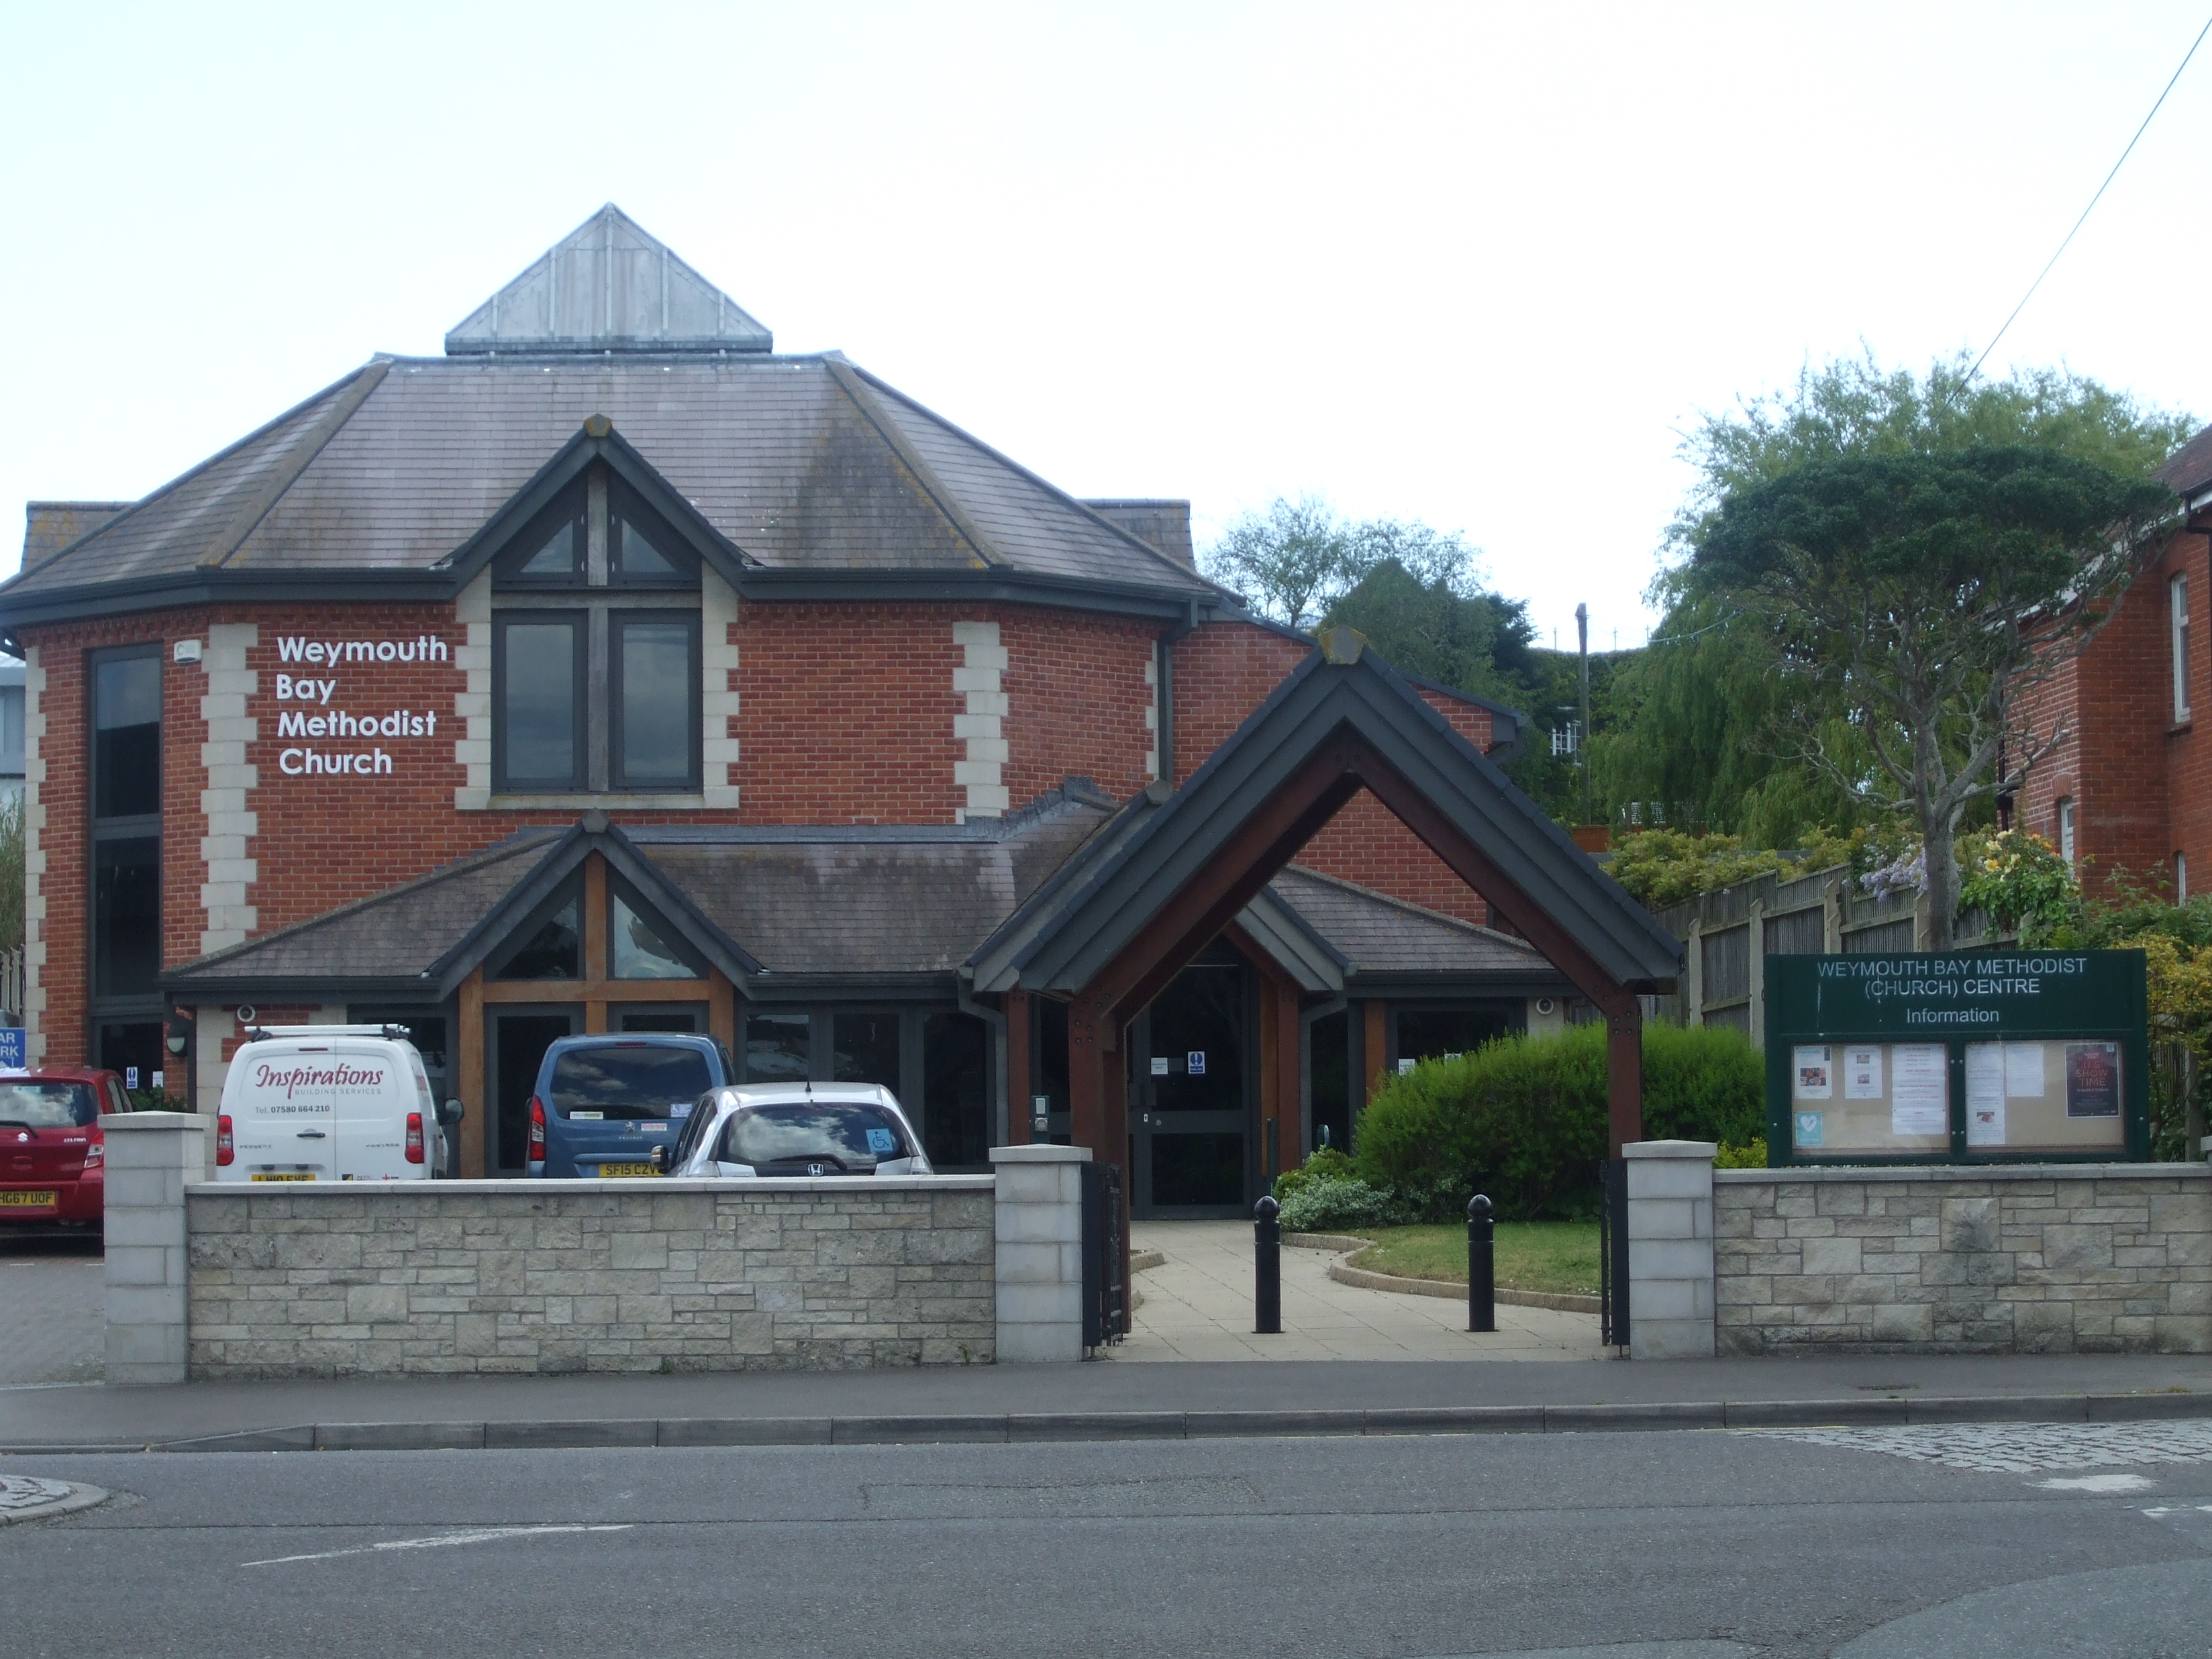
2177,592
126,735
2066,829
126,823
596,682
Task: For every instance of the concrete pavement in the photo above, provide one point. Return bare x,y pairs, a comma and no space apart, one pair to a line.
1197,1305
1106,1401
53,1306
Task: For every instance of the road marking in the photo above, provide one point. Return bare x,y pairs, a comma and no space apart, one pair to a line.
2096,1483
441,1541
2021,1448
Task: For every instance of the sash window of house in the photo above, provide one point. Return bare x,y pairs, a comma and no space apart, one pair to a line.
2177,597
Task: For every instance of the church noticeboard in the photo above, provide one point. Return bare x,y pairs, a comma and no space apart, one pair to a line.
1968,1056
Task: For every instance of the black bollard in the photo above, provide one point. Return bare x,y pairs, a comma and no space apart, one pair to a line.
1267,1269
1481,1266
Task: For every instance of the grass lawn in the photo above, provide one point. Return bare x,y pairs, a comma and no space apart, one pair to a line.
1532,1256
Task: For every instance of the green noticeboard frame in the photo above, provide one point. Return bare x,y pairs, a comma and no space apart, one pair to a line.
2024,1002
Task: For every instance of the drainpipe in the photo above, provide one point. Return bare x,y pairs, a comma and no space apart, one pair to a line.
996,1020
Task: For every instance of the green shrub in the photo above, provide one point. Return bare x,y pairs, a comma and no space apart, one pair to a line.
1523,1119
1329,1162
1750,1156
1328,1204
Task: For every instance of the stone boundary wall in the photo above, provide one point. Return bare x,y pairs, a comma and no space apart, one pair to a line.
531,1276
2103,1258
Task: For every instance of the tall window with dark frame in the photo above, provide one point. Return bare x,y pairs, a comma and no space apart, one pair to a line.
596,680
125,691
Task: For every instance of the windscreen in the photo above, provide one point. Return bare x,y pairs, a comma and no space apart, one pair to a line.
629,1080
855,1139
48,1105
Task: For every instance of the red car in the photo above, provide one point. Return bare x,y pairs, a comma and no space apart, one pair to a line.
50,1154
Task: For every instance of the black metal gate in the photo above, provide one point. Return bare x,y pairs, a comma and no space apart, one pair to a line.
1105,1300
1612,1252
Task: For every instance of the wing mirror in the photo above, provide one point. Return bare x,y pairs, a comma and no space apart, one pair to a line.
662,1159
451,1113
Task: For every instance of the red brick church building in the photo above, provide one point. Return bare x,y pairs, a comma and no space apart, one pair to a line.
613,672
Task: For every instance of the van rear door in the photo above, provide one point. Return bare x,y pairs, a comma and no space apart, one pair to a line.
281,1121
372,1091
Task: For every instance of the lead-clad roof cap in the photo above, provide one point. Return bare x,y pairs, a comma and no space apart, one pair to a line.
608,286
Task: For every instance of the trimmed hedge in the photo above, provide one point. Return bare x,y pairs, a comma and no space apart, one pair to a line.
1523,1119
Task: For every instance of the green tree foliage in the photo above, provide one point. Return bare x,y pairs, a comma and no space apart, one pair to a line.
1296,561
1523,1119
1927,596
1418,595
1707,727
1289,563
1661,867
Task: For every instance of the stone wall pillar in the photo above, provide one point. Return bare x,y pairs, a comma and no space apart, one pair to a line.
1670,1248
1040,1236
149,1158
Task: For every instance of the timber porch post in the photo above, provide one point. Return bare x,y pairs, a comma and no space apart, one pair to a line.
1623,1073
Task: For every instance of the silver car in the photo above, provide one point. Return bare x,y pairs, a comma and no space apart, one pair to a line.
783,1130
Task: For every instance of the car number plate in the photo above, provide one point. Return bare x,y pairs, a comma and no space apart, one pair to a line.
615,1170
20,1201
302,1176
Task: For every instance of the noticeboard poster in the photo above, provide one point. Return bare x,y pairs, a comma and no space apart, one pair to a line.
2093,1079
1814,1065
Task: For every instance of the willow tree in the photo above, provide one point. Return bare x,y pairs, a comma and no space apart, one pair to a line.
1930,596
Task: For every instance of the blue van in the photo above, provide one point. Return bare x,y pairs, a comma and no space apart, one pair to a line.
602,1103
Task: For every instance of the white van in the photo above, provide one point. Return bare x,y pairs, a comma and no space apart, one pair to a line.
329,1103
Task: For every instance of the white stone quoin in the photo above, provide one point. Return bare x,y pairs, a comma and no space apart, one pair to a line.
150,1156
718,704
1670,1248
1040,1273
472,705
981,679
1152,714
231,780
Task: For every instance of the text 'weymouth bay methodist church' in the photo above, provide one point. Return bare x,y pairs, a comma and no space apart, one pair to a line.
614,672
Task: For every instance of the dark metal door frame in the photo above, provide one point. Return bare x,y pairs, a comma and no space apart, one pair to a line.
1145,1122
496,1084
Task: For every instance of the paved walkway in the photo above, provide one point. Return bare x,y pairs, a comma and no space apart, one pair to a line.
1198,1305
53,1307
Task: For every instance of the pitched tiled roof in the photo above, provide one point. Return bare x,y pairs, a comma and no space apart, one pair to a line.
803,462
397,934
886,905
2188,469
1377,934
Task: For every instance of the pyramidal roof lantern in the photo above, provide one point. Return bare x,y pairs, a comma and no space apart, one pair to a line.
607,286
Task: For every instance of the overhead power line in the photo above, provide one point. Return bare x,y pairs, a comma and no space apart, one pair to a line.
2094,200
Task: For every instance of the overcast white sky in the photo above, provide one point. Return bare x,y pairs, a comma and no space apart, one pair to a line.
1477,266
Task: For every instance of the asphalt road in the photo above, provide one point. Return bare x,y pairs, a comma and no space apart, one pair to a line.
1712,1544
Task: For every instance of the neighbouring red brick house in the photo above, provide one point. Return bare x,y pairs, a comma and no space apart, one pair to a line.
614,672
2130,790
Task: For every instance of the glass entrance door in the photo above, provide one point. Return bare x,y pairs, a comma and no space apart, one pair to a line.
518,1043
1189,1098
